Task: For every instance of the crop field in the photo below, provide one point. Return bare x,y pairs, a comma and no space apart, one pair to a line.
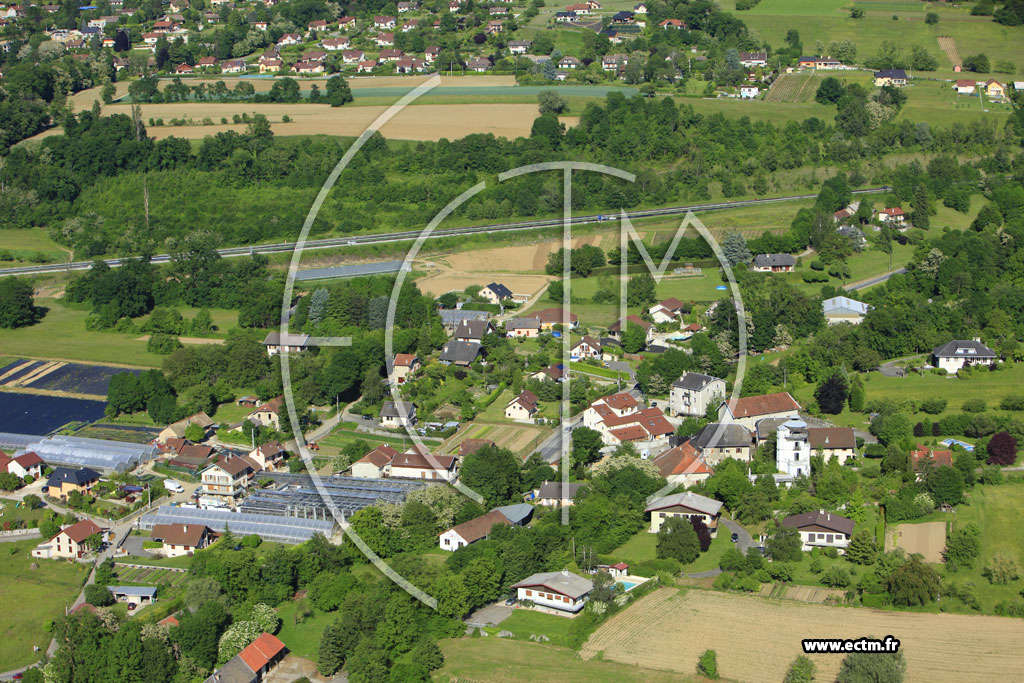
670,631
59,377
928,539
421,122
948,45
149,576
126,433
40,415
520,439
436,285
793,88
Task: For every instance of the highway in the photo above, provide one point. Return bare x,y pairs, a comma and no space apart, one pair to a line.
335,242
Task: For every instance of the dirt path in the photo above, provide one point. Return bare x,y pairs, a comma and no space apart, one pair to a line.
188,340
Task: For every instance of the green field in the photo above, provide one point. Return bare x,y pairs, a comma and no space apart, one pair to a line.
524,623
23,244
643,546
302,639
32,597
498,660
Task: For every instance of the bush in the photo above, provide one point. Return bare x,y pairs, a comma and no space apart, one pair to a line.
98,596
974,405
933,406
163,344
707,665
817,265
1012,402
812,277
837,577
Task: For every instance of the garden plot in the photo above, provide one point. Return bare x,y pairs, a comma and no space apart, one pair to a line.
928,539
149,576
756,638
59,377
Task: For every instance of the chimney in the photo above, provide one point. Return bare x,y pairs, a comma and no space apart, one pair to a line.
565,572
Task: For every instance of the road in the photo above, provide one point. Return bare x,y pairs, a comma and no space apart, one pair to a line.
863,284
551,448
334,242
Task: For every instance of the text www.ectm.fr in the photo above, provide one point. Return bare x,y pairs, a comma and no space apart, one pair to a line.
820,645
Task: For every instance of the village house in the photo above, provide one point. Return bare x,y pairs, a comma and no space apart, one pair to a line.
479,65
317,26
569,62
22,465
587,347
693,392
183,70
69,542
896,77
615,329
519,47
134,595
522,408
177,429
891,215
335,44
749,92
227,479
376,464
268,414
964,86
619,418
352,56
345,23
472,330
613,62
269,456
855,235
994,89
841,309
64,480
494,26
557,590
549,317
522,327
289,39
667,311
367,66
391,416
557,494
253,663
461,353
407,6
418,463
753,59
717,441
314,56
472,531
383,22
495,293
923,458
685,505
833,443
773,263
309,68
288,343
554,373
390,55
404,366
180,539
960,353
408,65
747,411
672,23
793,448
683,465
431,53
206,62
820,529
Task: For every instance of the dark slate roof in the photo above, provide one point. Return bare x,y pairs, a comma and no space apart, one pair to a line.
501,290
774,260
694,381
390,409
471,329
460,352
522,324
77,477
452,316
721,435
826,520
963,348
891,73
768,425
553,489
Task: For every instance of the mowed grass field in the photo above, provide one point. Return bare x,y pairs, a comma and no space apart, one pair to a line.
756,638
502,660
31,597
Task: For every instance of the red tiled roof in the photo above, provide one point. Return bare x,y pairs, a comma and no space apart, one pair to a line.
261,651
179,534
478,528
379,456
404,359
79,531
940,458
633,432
683,459
418,460
619,401
752,406
170,621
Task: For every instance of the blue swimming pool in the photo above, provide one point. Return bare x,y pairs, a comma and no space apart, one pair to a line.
627,585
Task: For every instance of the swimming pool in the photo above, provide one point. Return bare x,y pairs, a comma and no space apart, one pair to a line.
628,585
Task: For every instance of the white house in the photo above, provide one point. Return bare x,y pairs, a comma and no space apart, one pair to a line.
522,327
288,343
749,92
472,531
180,539
557,590
753,59
392,416
228,479
495,293
959,353
793,448
405,365
693,392
69,542
686,505
773,263
892,215
588,347
820,529
523,407
28,463
418,463
839,443
376,464
666,311
557,494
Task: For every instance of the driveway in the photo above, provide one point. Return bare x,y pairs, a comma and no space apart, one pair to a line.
133,546
743,543
621,366
853,286
491,615
551,448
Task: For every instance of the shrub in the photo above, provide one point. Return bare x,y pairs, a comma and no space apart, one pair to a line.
933,406
1002,569
974,405
707,665
1012,402
1002,449
837,577
817,265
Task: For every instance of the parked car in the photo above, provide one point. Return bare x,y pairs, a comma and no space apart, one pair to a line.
510,602
131,606
735,537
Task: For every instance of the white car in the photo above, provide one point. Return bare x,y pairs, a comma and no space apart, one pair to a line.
174,486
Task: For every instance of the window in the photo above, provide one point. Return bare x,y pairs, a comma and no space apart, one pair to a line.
529,593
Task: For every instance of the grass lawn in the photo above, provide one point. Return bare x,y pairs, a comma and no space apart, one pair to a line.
525,622
638,549
10,510
27,243
31,597
497,660
302,638
61,334
698,288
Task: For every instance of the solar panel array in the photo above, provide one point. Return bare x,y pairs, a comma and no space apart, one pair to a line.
98,454
268,527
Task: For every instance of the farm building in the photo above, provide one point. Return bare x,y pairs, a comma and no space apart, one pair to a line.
268,527
297,495
140,595
253,663
98,454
